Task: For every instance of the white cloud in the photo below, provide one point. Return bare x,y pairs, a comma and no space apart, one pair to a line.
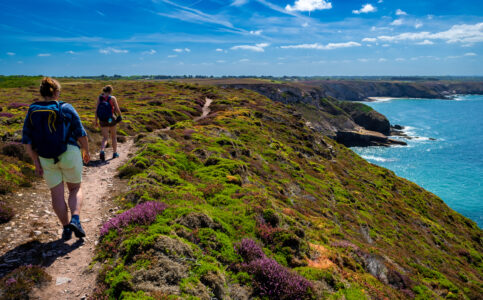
256,32
244,60
309,5
386,45
418,25
369,40
306,24
366,8
149,52
220,61
256,48
470,54
426,42
363,60
464,33
239,2
318,46
180,50
400,12
219,50
380,1
10,53
172,56
70,52
100,13
110,50
382,60
400,59
44,54
397,22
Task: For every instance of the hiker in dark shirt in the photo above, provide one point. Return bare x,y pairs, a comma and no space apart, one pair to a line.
106,108
51,133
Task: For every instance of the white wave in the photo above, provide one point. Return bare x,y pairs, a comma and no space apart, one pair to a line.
377,158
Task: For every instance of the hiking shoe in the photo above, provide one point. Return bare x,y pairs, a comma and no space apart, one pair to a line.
102,156
77,229
67,233
115,155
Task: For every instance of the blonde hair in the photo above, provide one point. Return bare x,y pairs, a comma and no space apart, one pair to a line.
49,87
107,89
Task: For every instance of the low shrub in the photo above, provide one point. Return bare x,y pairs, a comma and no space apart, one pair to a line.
19,283
270,279
143,213
6,213
17,105
6,115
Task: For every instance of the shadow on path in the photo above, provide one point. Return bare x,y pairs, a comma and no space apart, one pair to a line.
35,253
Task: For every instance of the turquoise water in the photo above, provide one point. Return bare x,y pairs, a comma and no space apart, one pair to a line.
452,165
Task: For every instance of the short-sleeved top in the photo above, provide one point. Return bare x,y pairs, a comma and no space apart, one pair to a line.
76,130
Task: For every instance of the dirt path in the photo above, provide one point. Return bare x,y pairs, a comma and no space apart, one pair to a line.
34,236
71,277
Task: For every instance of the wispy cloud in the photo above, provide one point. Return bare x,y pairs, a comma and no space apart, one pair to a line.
180,50
400,12
111,50
318,46
470,54
192,15
365,9
149,52
425,42
239,2
464,33
43,54
256,32
100,13
309,5
10,53
397,22
256,48
70,52
369,40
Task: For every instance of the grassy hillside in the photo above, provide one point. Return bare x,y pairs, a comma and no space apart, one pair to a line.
251,203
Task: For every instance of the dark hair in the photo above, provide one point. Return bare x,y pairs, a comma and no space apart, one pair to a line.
107,89
49,87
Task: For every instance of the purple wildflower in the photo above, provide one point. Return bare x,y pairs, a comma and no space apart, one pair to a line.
276,282
17,105
6,115
249,250
144,213
10,281
271,279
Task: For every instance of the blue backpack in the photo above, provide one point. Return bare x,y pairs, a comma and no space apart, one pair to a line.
105,109
49,129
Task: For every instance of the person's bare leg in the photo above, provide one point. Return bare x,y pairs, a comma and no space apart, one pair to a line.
105,137
75,198
58,203
113,132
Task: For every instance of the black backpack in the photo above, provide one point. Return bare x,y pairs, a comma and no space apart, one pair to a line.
49,129
105,109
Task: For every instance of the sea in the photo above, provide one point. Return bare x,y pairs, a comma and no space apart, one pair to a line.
445,152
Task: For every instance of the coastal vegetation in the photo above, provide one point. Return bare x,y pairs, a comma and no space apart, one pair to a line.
250,202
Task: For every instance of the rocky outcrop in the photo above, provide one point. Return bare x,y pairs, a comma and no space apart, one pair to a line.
352,124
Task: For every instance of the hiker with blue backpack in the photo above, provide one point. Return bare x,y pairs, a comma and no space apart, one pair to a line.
107,107
51,134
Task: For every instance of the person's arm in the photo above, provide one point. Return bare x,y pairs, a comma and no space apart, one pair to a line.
27,141
117,110
35,158
78,131
83,141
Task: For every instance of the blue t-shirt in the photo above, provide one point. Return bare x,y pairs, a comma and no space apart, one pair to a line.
76,130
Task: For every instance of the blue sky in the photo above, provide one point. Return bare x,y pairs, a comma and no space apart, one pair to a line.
241,37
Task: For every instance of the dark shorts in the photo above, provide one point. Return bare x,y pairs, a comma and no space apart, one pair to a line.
107,124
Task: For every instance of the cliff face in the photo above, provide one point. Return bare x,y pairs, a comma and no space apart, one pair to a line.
362,90
348,123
